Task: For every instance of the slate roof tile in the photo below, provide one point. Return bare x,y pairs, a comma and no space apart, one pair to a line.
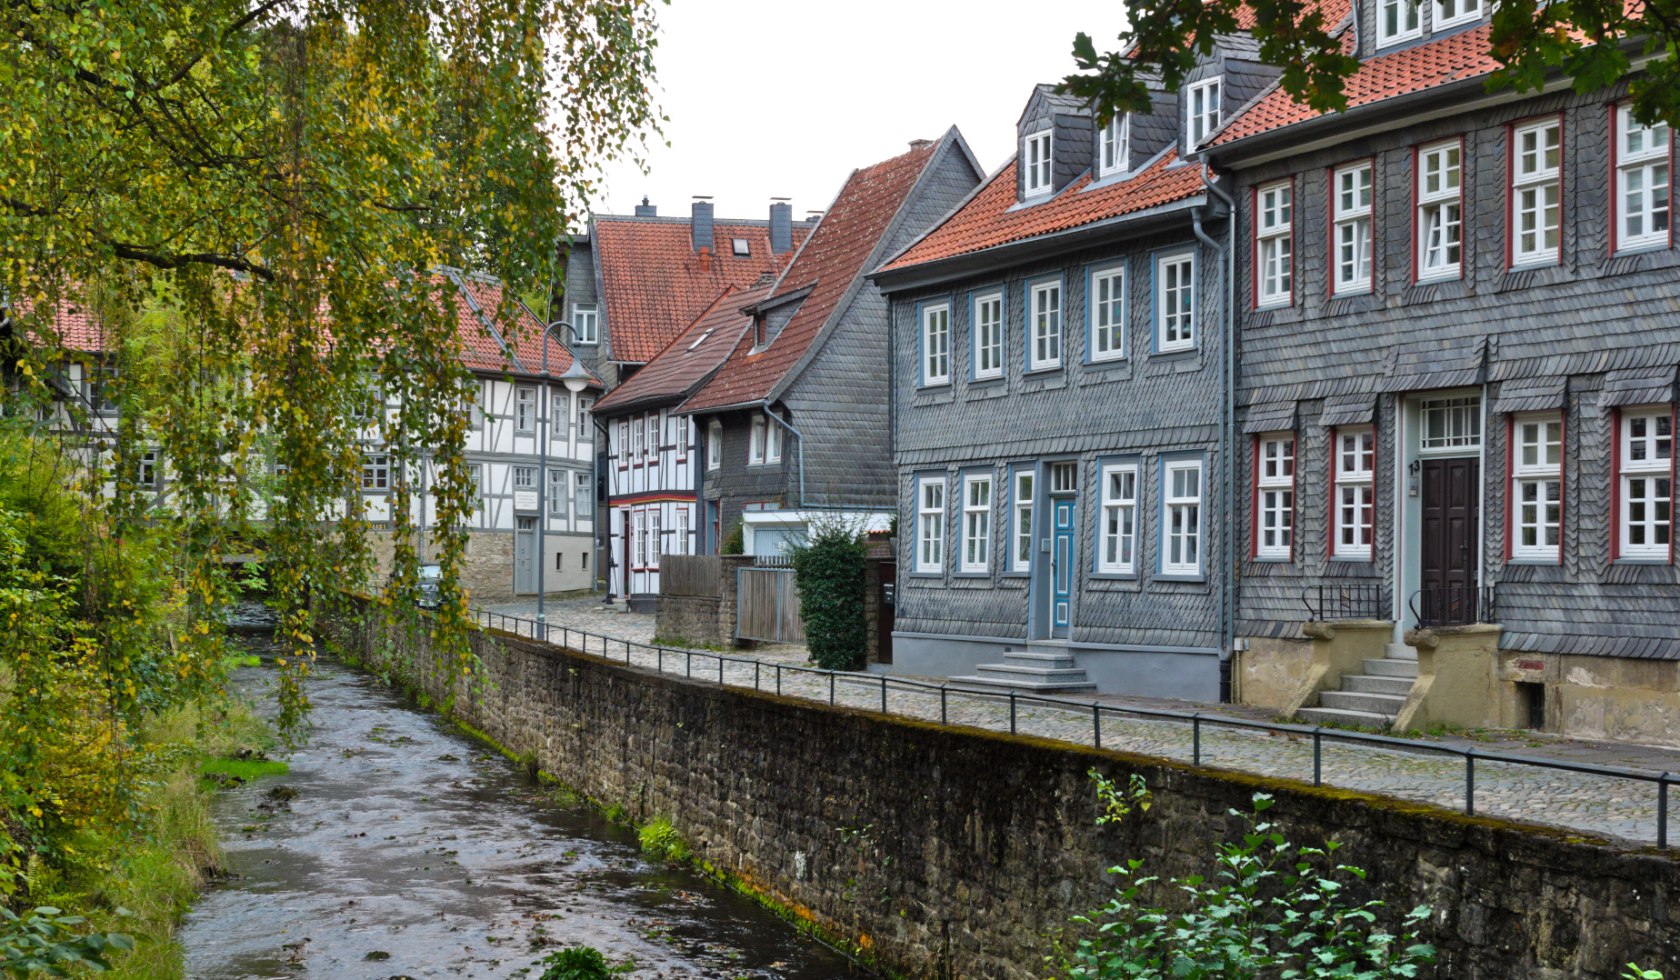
830,262
654,283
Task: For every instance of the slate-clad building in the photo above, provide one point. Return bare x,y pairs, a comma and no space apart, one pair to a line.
656,460
1459,336
1060,344
798,412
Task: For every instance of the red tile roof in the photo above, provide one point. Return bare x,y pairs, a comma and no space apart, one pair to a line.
1424,66
479,349
990,218
690,358
653,282
77,327
830,263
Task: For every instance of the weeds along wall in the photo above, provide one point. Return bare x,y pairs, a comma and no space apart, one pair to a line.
958,853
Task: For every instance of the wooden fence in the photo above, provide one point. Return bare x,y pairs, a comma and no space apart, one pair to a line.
767,605
689,575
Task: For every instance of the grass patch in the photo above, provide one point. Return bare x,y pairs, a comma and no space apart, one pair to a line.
241,770
661,842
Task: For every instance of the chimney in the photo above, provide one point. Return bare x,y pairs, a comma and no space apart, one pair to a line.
646,210
920,144
781,225
701,228
705,258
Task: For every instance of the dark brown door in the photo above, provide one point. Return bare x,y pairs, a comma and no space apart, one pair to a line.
628,543
884,612
1450,540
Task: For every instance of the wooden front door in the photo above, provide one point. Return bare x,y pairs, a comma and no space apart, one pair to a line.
524,555
1450,540
1061,565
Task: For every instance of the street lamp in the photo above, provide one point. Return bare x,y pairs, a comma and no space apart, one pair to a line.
576,378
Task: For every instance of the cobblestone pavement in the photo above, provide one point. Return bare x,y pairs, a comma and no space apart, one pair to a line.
1430,770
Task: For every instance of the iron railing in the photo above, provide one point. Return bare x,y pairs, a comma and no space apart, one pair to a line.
1459,605
770,677
1328,602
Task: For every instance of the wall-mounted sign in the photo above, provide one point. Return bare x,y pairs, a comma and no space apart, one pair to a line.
524,500
1530,665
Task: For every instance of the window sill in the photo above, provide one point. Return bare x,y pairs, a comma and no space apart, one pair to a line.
1194,578
1043,369
973,576
1272,305
1537,263
934,385
1641,560
1175,351
1113,576
935,576
1271,559
1636,248
1353,292
1365,559
1534,560
1438,278
1113,360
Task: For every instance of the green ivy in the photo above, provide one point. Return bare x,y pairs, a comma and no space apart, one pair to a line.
830,571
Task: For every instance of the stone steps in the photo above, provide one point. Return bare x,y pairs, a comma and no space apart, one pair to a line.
1372,699
1376,684
1048,669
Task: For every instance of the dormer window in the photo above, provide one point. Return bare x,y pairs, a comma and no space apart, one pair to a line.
1036,152
1450,13
1399,20
1113,145
1202,105
740,247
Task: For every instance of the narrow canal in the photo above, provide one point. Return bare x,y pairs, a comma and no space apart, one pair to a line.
397,847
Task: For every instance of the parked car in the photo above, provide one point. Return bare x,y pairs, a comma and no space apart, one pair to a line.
430,575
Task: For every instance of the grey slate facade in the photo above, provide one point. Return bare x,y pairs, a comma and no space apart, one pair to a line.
1062,433
1586,342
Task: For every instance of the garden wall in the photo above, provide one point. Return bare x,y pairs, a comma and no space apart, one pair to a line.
958,853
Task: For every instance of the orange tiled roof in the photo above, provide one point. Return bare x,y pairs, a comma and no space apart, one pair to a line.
829,262
991,218
653,282
479,349
77,327
688,359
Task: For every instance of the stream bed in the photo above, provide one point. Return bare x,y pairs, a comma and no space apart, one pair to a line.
398,847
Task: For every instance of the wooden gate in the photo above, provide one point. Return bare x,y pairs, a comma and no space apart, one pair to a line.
767,603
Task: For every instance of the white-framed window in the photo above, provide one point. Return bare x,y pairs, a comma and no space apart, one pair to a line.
1645,482
557,495
586,323
1117,532
583,496
524,477
1021,520
1450,424
930,524
773,442
988,336
1202,107
1536,486
936,344
1274,243
1536,191
977,523
147,472
755,443
1035,156
1398,20
714,445
376,472
655,437
635,430
479,397
641,539
1355,449
1351,207
1175,302
475,485
525,408
656,543
1440,200
1181,505
586,425
1274,495
1450,13
1045,341
679,546
1113,145
1064,477
1108,313
1644,181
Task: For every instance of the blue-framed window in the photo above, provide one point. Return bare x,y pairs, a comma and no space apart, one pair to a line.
1044,325
1119,503
1175,301
930,524
934,344
976,523
986,315
1183,517
1105,312
1023,485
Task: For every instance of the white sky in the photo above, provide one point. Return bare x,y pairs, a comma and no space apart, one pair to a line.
784,98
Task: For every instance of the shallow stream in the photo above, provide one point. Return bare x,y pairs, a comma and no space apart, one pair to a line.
397,847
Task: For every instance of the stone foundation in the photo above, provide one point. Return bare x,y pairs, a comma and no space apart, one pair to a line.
949,852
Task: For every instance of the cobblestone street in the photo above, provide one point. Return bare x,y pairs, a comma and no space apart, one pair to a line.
1592,803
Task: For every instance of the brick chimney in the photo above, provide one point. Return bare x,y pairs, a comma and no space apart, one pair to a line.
920,144
781,225
646,210
700,229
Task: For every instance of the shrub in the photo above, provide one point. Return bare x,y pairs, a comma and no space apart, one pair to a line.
48,942
735,542
830,571
576,963
661,842
1270,909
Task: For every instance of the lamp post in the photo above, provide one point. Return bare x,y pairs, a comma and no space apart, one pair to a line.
576,378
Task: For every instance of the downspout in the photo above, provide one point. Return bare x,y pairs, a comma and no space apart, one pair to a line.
801,450
1227,599
603,511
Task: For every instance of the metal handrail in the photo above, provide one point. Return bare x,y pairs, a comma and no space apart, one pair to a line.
1196,719
1343,600
1458,605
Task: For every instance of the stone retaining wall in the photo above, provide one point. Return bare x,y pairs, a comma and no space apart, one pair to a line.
956,853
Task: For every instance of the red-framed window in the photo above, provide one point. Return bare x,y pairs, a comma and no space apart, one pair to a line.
1274,496
1642,483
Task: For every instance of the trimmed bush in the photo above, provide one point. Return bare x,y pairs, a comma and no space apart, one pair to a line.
830,572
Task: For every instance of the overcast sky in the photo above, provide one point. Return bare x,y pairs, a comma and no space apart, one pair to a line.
784,98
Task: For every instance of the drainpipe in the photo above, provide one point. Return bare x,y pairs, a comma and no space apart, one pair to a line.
1227,427
603,512
796,434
